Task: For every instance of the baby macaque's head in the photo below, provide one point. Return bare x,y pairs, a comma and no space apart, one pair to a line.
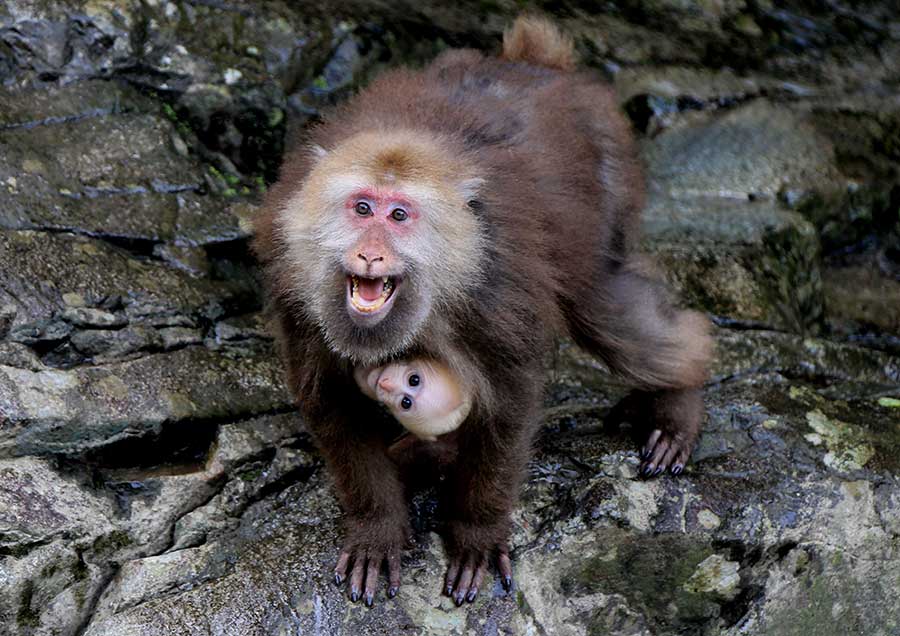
424,395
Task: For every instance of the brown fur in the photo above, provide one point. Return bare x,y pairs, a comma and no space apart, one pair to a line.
538,193
538,42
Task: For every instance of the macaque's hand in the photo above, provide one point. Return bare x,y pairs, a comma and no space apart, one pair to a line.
368,543
470,550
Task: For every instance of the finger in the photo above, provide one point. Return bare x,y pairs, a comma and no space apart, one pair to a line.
372,578
684,454
465,580
504,566
393,560
356,577
340,570
651,465
450,579
480,571
651,442
668,458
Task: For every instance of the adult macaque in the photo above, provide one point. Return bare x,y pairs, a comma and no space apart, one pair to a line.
423,395
471,213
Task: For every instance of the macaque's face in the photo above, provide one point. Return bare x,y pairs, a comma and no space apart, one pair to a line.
380,236
422,395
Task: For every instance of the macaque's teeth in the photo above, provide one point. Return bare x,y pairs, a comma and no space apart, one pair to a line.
361,305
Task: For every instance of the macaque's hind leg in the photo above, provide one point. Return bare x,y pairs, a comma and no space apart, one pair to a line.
633,326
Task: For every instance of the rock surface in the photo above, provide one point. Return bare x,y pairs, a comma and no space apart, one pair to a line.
153,476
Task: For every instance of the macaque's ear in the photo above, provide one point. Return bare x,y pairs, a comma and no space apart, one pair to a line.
317,151
469,188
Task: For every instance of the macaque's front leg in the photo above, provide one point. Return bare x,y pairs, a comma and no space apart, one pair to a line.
484,489
376,526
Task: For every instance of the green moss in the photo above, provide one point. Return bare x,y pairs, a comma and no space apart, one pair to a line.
170,112
651,573
49,570
276,117
251,475
790,277
27,616
79,569
109,543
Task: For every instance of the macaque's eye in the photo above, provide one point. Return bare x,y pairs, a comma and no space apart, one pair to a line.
414,380
406,403
363,209
399,214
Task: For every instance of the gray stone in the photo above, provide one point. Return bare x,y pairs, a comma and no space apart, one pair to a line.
154,478
645,564
53,411
51,275
102,165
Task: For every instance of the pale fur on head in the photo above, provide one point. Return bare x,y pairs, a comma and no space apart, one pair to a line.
442,258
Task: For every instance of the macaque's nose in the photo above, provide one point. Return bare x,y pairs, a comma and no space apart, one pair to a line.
370,257
387,385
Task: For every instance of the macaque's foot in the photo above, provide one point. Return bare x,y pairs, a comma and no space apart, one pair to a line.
367,546
664,450
677,416
674,417
469,562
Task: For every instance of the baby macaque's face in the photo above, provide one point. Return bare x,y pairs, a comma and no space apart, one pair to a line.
423,395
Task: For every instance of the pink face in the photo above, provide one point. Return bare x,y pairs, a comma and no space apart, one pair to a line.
380,217
414,391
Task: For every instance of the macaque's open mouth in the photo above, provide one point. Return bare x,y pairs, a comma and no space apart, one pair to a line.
370,295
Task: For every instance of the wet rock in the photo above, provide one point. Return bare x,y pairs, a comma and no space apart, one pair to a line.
646,565
748,261
102,344
862,295
153,479
106,170
67,412
717,221
56,281
49,524
756,151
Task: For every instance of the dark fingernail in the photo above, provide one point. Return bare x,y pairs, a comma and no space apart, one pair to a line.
507,583
645,453
677,469
354,596
392,592
449,591
658,470
459,599
647,470
370,599
338,579
472,594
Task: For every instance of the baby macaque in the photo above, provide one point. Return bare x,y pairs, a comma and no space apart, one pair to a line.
424,395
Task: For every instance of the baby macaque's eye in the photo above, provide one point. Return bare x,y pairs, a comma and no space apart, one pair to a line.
406,403
414,380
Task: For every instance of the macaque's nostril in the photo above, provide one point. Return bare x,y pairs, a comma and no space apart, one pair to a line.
370,259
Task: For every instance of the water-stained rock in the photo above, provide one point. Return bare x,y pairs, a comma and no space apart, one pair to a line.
154,479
